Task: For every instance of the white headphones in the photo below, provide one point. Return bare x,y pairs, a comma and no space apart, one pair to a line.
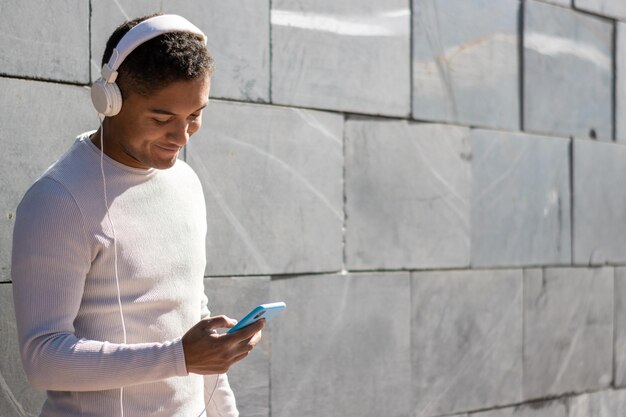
105,94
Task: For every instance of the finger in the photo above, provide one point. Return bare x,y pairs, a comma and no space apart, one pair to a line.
256,338
248,331
219,322
240,352
253,339
240,357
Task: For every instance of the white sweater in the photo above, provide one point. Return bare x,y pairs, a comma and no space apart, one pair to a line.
66,300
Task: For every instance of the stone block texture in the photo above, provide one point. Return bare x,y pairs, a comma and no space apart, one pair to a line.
237,38
566,3
537,409
598,404
567,72
599,231
407,195
343,350
348,56
620,327
568,330
520,199
27,150
611,8
273,187
465,62
249,379
466,340
48,40
620,88
17,397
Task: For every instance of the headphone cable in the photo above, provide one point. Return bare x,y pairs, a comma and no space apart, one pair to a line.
117,280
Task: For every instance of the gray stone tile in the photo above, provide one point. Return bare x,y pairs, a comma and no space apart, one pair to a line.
539,409
348,56
610,8
465,62
600,404
568,328
520,199
566,3
567,72
237,37
46,40
35,131
273,187
407,192
600,203
620,327
17,397
501,412
620,90
343,349
466,340
250,378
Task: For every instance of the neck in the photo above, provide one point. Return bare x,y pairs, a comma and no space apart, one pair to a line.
96,137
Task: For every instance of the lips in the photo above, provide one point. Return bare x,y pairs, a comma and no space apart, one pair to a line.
169,148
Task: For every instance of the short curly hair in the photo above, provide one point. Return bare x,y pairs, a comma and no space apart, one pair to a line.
153,65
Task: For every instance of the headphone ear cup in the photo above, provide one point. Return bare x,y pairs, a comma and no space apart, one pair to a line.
106,97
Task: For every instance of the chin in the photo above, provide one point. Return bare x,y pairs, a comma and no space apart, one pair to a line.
164,164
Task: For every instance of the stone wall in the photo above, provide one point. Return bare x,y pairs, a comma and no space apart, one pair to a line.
431,185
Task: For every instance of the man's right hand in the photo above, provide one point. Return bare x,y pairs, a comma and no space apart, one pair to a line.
208,352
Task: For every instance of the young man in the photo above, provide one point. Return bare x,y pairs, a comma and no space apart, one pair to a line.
109,255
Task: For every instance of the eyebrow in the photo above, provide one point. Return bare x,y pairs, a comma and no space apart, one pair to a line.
169,113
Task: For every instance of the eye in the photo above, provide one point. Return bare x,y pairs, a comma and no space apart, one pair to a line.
161,121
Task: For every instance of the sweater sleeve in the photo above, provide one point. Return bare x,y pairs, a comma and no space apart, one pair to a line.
204,308
50,262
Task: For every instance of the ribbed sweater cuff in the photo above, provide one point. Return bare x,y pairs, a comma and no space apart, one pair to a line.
179,356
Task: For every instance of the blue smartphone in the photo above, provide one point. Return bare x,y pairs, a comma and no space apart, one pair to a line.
264,311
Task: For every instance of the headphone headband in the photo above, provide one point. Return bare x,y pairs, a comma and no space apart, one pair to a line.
143,32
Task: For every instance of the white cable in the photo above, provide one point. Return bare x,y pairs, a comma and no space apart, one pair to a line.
211,397
117,279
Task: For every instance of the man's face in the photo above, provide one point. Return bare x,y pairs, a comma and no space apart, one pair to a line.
149,132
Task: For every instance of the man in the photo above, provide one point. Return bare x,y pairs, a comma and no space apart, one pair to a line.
109,254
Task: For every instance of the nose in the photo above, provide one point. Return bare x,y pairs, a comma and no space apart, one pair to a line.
179,134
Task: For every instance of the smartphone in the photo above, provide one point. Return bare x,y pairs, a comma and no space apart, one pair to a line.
264,311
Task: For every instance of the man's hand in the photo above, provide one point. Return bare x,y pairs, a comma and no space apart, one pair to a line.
207,352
